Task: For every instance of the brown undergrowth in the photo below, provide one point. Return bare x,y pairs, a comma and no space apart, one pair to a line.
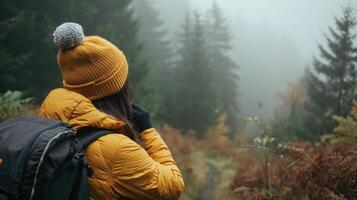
296,171
326,172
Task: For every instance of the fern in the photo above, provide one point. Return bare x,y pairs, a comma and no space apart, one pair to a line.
13,103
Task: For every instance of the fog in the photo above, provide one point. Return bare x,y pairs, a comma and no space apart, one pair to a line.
274,40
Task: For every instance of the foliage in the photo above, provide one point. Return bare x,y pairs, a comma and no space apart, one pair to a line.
290,120
12,103
264,141
205,74
225,70
159,54
297,170
194,97
324,172
293,98
348,126
217,141
331,86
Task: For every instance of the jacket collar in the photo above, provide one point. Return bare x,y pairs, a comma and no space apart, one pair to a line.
76,110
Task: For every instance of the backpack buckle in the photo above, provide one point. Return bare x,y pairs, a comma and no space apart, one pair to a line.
80,156
89,169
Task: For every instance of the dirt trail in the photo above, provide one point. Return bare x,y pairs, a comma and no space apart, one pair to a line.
211,181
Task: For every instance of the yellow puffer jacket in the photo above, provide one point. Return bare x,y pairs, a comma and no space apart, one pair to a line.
122,168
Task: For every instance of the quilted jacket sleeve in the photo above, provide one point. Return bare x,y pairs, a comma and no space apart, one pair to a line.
149,173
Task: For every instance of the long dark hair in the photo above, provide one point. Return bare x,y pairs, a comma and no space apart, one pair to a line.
118,105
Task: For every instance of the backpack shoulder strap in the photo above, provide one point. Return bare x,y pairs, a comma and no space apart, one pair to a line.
85,136
89,134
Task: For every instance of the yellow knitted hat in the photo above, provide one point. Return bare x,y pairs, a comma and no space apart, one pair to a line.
90,65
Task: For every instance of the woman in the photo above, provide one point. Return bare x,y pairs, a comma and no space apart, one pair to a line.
133,162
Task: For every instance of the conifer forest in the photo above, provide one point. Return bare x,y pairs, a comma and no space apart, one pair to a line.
256,100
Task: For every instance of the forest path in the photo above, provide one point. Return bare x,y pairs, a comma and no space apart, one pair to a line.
211,182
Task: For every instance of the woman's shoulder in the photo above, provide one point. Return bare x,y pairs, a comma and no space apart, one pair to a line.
111,145
113,137
112,152
113,140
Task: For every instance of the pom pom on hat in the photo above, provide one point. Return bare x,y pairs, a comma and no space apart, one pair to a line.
68,35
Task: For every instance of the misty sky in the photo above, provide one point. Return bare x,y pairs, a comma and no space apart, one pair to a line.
274,40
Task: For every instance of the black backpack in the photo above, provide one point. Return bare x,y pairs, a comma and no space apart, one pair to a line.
43,159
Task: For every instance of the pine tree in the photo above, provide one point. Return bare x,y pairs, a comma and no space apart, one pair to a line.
157,51
225,70
194,99
332,84
14,52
